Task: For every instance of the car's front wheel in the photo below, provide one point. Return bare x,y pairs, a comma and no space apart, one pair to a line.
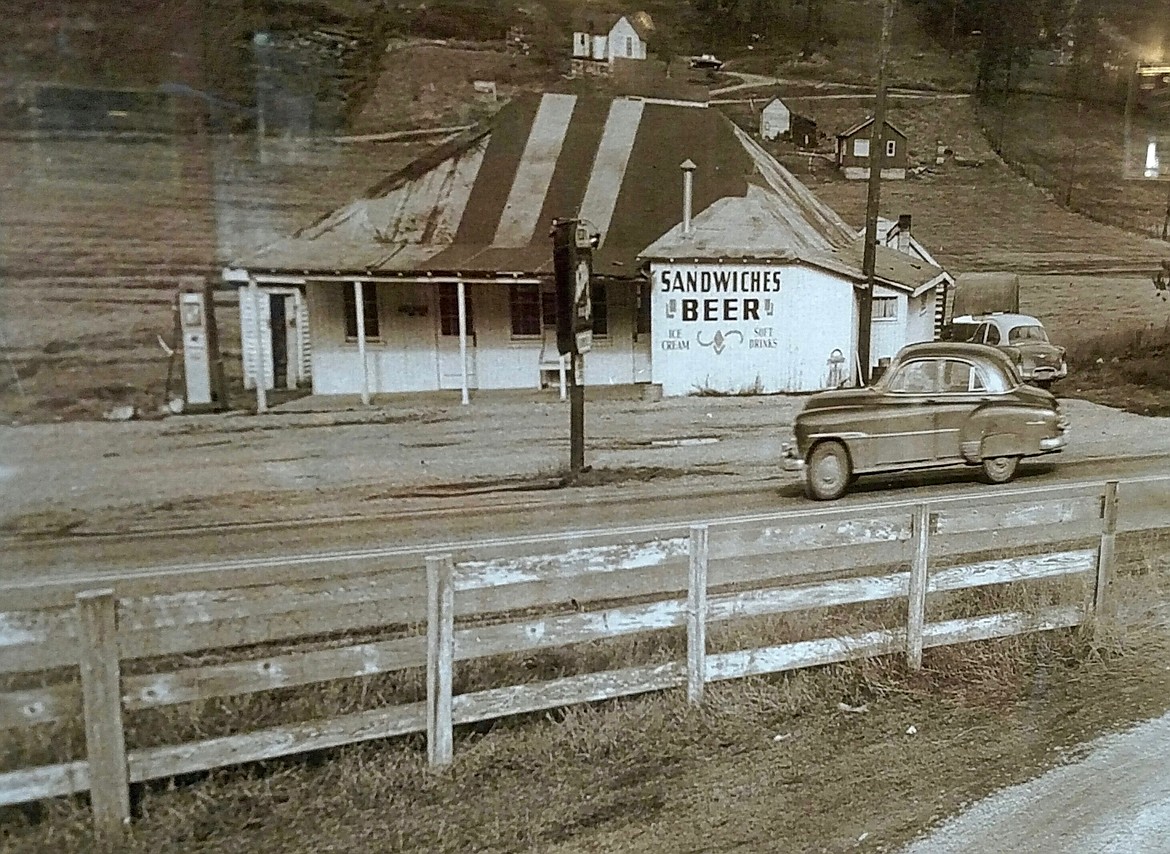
829,472
999,469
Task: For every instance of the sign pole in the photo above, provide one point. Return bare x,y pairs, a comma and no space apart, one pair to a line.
573,244
576,415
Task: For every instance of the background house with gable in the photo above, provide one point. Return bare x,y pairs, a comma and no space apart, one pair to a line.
601,38
853,151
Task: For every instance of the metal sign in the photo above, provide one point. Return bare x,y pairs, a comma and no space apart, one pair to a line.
573,244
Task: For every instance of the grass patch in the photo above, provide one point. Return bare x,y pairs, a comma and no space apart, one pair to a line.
1127,369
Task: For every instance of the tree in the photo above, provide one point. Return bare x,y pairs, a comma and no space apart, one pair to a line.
664,47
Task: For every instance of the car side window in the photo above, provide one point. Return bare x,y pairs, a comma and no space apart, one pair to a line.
919,377
992,334
958,378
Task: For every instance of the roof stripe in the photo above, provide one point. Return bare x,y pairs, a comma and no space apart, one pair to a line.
571,176
509,131
535,172
609,166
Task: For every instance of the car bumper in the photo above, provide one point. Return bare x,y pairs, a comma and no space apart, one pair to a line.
1047,374
789,459
1055,443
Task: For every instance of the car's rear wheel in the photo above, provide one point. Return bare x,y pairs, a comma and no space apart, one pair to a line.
999,469
829,472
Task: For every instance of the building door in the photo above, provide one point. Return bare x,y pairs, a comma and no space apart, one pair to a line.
642,334
280,339
450,367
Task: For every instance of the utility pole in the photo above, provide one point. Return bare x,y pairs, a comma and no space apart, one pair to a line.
877,156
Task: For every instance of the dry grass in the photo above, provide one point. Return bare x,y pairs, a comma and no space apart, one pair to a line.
544,779
1125,368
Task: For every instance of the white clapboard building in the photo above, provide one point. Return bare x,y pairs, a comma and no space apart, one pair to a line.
441,276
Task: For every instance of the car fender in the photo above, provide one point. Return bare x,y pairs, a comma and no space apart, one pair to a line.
1001,445
988,432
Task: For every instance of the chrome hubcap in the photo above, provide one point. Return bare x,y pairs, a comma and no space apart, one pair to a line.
829,471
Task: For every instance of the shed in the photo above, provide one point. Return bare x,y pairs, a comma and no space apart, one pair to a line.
775,120
853,151
981,293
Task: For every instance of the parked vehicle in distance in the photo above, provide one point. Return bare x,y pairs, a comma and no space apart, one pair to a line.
939,404
706,60
1021,336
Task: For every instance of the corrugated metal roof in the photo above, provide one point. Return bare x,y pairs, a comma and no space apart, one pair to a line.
486,204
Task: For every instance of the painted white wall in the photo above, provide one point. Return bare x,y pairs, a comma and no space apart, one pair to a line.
600,47
581,44
920,317
887,335
915,323
800,336
775,120
405,358
618,36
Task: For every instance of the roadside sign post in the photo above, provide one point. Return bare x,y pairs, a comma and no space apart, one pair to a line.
573,244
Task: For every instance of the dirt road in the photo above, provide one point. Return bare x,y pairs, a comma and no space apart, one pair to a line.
1116,799
202,470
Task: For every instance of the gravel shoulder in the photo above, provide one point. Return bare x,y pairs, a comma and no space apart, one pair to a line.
1115,799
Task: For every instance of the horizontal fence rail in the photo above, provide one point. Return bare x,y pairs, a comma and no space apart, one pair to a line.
432,619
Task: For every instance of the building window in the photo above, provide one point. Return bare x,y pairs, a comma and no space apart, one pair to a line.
449,311
600,310
885,308
369,311
891,147
524,302
629,46
861,148
548,305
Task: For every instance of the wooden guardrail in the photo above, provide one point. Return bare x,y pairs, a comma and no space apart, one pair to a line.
475,608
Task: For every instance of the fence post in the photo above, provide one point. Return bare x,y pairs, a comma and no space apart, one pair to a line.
697,615
101,693
916,596
440,658
1102,600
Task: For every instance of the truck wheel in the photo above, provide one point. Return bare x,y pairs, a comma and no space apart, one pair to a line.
829,472
999,469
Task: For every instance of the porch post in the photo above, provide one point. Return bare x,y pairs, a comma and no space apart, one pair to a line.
462,289
360,310
258,334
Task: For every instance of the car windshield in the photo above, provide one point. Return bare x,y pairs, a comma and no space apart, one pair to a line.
1027,334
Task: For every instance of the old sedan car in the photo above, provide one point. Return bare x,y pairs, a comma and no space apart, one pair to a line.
1021,336
706,60
939,404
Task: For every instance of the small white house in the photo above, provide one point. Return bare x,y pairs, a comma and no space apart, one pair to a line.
775,120
604,38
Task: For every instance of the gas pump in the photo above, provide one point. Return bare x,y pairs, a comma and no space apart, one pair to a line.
196,352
